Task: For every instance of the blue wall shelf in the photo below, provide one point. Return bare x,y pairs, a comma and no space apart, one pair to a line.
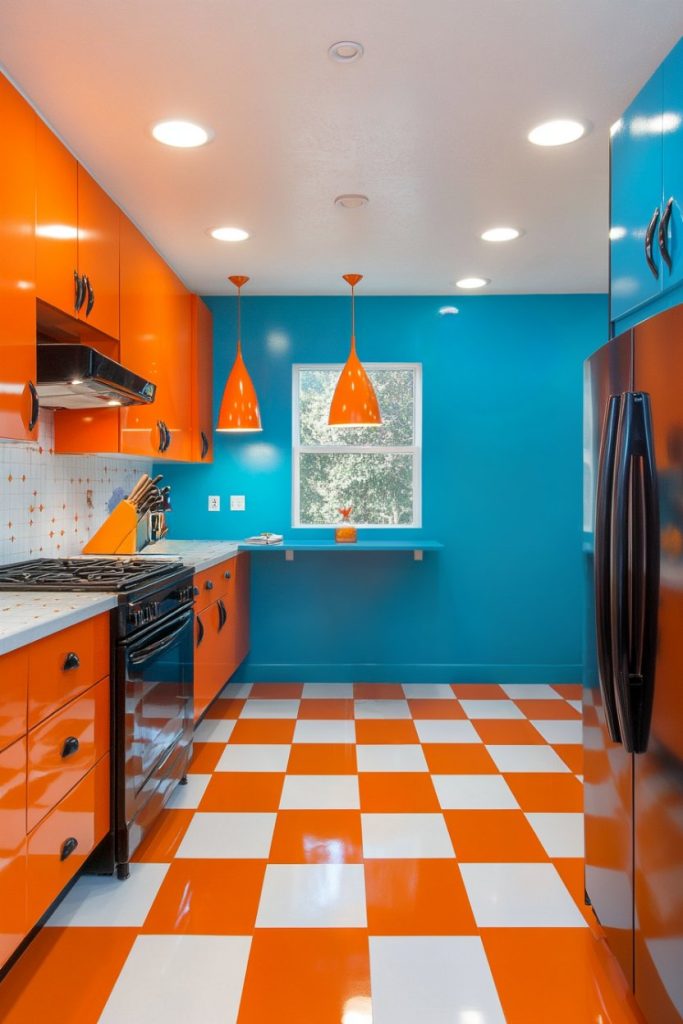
289,547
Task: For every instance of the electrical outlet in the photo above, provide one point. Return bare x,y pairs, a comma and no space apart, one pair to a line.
237,503
214,503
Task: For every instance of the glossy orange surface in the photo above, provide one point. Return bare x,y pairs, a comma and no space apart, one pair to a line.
17,263
13,865
200,897
98,252
51,682
56,221
317,837
243,791
202,380
14,675
52,770
417,897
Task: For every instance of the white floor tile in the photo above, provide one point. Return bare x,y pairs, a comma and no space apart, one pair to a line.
188,797
174,979
390,757
320,792
432,979
329,690
236,691
477,709
97,901
474,792
254,757
270,709
214,730
523,758
228,836
564,730
530,691
313,896
429,691
331,730
577,705
519,896
561,833
382,709
446,730
405,836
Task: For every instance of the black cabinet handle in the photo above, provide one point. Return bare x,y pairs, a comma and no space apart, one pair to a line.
222,615
35,406
205,444
664,231
70,746
602,566
227,575
90,293
635,570
195,591
162,436
200,631
167,437
68,847
649,235
79,291
208,585
71,661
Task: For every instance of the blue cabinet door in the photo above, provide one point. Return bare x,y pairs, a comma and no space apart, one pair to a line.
672,161
636,192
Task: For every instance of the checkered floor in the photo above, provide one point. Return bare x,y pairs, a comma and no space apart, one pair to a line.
348,854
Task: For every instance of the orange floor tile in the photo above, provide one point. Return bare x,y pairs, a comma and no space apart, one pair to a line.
435,709
571,755
546,792
229,707
317,837
386,731
459,759
326,708
243,791
322,759
277,691
494,731
417,897
478,691
552,710
161,843
205,757
378,691
480,836
386,792
207,897
263,730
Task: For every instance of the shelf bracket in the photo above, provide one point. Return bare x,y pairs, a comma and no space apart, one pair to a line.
417,555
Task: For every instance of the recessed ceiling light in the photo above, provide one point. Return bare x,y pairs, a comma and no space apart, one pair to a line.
448,310
113,401
181,134
229,234
557,133
346,51
472,282
500,234
351,201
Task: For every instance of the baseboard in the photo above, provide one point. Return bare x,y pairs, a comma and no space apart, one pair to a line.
253,672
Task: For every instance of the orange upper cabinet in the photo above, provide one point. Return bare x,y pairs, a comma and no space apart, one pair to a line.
98,255
202,381
18,399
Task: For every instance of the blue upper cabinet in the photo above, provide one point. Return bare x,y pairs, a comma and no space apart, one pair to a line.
636,169
672,166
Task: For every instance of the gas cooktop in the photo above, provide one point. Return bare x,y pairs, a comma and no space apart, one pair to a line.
118,574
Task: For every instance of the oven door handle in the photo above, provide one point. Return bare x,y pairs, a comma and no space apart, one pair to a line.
138,657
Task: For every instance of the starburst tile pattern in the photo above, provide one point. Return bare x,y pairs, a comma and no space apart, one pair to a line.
368,857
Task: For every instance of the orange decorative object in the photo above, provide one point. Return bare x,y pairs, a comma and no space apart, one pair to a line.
354,403
239,408
118,533
345,534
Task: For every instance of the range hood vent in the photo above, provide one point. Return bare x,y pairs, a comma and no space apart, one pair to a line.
80,377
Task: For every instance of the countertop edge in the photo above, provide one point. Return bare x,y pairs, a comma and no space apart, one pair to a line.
55,620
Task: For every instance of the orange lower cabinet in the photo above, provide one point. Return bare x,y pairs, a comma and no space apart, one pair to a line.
13,866
65,664
61,843
242,596
14,675
64,748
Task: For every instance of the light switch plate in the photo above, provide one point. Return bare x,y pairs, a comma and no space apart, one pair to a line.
214,503
237,503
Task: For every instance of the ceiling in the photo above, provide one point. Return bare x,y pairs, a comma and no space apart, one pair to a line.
431,124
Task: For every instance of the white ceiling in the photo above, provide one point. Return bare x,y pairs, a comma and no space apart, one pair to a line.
431,124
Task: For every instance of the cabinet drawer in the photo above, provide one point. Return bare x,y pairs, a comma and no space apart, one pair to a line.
64,748
13,924
63,665
83,817
213,584
14,675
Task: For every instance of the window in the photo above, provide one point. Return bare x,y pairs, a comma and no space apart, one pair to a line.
376,470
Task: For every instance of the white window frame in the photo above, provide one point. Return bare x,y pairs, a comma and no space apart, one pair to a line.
415,449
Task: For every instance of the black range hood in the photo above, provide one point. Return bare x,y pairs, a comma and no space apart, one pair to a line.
80,377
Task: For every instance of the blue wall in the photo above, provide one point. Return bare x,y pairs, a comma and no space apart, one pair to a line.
502,476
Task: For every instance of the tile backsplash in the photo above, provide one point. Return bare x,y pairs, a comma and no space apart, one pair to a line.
51,504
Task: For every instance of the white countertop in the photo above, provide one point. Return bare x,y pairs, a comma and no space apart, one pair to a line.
26,616
199,554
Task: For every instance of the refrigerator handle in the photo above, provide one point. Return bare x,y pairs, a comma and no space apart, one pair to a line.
602,566
635,570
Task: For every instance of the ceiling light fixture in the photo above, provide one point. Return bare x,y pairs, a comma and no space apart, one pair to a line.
229,234
351,200
500,234
181,134
557,133
472,282
354,403
239,413
345,51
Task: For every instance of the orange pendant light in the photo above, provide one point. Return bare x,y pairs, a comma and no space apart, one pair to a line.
239,408
354,403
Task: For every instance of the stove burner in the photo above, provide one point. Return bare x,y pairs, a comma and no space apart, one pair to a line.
118,574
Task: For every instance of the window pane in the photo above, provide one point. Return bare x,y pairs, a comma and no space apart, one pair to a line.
378,487
395,395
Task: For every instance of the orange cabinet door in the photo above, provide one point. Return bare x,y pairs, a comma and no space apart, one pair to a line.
98,254
13,919
56,221
65,664
18,402
175,396
213,646
202,381
14,675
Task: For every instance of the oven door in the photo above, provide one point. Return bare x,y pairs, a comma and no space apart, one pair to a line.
157,682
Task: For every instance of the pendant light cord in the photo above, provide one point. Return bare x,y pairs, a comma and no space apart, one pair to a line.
239,315
353,311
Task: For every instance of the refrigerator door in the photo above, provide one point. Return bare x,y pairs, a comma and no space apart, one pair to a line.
658,772
608,768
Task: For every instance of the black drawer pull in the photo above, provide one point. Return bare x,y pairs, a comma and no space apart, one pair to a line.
205,444
72,661
208,585
200,631
35,405
227,575
68,847
70,746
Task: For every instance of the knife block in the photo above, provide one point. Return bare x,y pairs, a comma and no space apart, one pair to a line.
118,534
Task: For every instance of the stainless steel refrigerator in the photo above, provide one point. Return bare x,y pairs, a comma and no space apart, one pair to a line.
633,658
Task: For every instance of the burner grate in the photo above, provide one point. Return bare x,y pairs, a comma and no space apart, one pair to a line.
119,574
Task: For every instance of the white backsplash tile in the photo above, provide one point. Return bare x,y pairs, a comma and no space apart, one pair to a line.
51,504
